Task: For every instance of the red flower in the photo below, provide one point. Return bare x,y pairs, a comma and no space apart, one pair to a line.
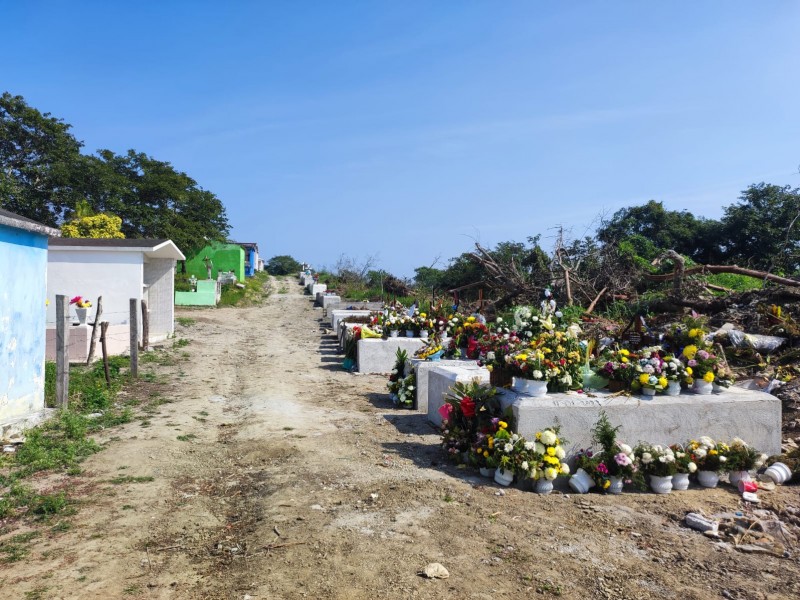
468,406
75,300
563,361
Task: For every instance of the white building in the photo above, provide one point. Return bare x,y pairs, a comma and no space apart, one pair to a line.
117,270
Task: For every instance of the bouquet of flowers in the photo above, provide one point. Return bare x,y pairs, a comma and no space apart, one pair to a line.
79,302
529,322
398,372
430,350
615,459
700,364
650,369
547,455
469,410
617,366
407,391
742,457
683,459
709,455
656,460
563,359
673,369
511,453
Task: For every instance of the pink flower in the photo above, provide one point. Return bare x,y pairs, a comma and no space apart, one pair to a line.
601,468
445,410
622,459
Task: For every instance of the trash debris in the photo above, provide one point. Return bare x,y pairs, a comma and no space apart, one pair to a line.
750,497
9,448
435,571
758,342
700,523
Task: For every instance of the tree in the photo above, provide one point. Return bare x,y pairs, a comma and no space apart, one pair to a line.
762,231
282,265
93,226
38,155
665,229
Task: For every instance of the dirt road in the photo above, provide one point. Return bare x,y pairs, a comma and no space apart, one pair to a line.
278,475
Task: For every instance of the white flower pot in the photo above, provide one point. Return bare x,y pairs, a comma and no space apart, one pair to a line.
702,387
708,479
680,482
503,477
82,313
734,477
581,482
717,389
486,472
543,486
778,473
616,486
409,333
661,485
394,333
424,334
648,391
673,389
530,387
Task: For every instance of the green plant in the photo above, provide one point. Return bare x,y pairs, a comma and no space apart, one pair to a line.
185,321
122,479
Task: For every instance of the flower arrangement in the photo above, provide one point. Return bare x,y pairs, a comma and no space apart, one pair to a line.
614,460
683,459
398,372
529,322
548,455
656,459
742,457
650,369
470,409
511,453
709,455
430,350
673,369
700,364
407,391
564,360
79,302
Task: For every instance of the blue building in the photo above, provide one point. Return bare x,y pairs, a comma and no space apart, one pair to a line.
251,259
23,294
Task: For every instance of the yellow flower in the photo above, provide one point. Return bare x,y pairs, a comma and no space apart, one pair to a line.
712,452
423,315
623,359
689,381
695,333
689,370
522,357
538,435
489,368
486,454
624,352
607,484
502,425
551,451
470,319
690,351
644,378
709,377
663,382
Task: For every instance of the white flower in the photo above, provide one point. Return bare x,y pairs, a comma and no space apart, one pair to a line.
625,448
499,319
528,334
559,314
560,454
566,379
662,459
537,374
524,465
529,445
490,355
648,369
508,448
723,459
514,437
647,458
692,467
565,468
707,441
548,437
700,453
540,449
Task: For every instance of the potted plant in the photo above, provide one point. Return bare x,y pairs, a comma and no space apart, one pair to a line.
658,463
742,461
675,372
391,324
511,455
470,409
81,308
546,459
407,392
618,368
711,458
684,467
701,368
611,467
650,373
529,372
398,373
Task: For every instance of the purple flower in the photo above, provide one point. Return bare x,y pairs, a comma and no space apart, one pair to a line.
601,468
702,354
622,459
693,363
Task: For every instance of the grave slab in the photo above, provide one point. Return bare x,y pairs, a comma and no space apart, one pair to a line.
753,416
442,378
327,300
378,356
422,369
339,315
316,288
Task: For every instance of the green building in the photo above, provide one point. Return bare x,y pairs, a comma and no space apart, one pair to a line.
224,258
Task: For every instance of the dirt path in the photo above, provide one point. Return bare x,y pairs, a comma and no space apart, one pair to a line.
278,475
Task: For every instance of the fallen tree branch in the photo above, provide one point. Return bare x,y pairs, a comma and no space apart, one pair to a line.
733,269
595,301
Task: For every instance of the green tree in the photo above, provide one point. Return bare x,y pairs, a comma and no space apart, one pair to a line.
38,155
665,229
762,230
93,226
282,265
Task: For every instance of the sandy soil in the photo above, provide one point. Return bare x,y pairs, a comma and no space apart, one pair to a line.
295,479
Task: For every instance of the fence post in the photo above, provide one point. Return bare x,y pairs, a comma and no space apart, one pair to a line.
103,334
62,351
145,326
134,325
95,329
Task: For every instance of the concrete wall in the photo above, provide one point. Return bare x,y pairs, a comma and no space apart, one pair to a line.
441,379
159,276
116,276
423,369
378,356
224,257
118,342
23,285
206,295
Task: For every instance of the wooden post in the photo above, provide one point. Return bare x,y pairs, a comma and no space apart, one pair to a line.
95,330
103,334
134,326
145,326
62,351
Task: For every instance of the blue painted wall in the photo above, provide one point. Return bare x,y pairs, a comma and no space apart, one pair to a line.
23,291
250,269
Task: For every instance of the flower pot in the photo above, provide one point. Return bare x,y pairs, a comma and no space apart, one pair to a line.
661,485
82,313
409,333
616,485
616,386
702,387
646,391
673,389
394,333
503,477
680,482
424,334
778,473
581,482
436,356
708,479
486,472
734,477
530,387
717,389
543,486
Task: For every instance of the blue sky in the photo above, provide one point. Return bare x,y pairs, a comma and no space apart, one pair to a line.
406,130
